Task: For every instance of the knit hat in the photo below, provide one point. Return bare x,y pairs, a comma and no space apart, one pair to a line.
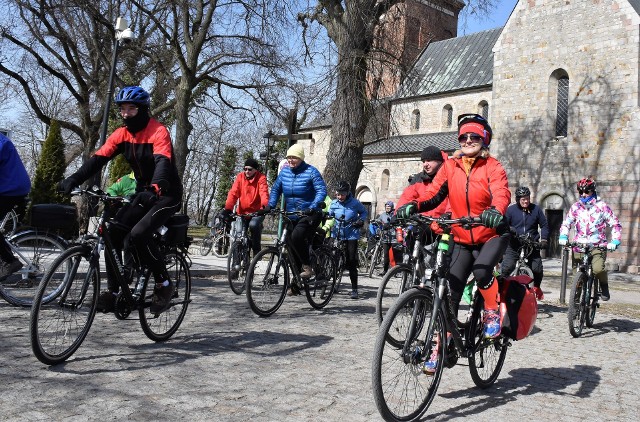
296,150
431,153
251,162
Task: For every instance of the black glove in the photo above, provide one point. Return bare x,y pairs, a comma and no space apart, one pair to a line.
67,185
386,226
358,224
407,210
225,214
491,218
145,199
264,211
308,211
544,244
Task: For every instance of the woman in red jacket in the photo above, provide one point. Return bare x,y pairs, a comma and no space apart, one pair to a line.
476,184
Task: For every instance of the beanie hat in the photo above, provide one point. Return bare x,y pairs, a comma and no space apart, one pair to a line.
296,150
251,162
431,153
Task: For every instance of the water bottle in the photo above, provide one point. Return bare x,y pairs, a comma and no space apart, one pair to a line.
399,234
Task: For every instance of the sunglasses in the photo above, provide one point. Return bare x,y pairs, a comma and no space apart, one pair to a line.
581,191
248,169
470,137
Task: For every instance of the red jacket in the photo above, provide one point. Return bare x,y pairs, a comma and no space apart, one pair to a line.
251,195
485,186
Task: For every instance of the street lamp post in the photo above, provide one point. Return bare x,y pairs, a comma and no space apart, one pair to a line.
269,142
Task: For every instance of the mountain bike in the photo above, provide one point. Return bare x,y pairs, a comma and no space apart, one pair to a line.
527,246
36,250
217,241
422,322
9,223
58,327
276,268
337,247
239,256
415,268
585,294
376,255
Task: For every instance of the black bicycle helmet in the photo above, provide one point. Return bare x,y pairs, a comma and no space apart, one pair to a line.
343,186
475,123
585,185
134,95
522,191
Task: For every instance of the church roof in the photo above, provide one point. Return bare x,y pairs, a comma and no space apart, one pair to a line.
636,5
412,144
451,65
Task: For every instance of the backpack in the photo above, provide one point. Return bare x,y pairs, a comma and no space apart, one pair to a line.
518,307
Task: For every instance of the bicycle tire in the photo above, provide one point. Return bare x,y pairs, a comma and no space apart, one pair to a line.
576,312
375,258
205,247
9,224
237,253
320,288
36,252
363,264
163,326
58,328
395,282
339,262
221,243
592,306
488,355
267,281
402,392
523,270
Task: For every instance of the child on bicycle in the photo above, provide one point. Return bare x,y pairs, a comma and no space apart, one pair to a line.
476,185
14,187
352,211
146,145
591,215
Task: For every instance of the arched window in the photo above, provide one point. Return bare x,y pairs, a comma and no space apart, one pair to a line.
483,109
447,116
559,101
415,119
384,183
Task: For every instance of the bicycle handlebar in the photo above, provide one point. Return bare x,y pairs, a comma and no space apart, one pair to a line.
441,221
586,246
96,192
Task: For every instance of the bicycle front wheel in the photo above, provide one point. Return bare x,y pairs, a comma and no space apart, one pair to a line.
164,325
221,245
488,355
395,282
593,302
363,264
207,244
577,305
376,259
36,252
402,391
58,327
237,263
319,289
267,282
523,270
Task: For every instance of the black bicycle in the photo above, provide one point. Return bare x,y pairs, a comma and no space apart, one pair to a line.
376,254
239,256
417,326
276,268
527,246
59,327
337,247
585,294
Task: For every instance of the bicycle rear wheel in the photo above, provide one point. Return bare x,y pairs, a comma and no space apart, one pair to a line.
207,244
577,305
36,252
58,327
267,282
237,263
319,289
221,245
363,264
395,282
488,355
401,390
592,306
163,326
376,258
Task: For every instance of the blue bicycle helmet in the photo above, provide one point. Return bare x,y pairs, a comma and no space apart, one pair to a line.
134,95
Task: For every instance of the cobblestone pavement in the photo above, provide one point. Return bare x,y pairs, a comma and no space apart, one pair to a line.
226,364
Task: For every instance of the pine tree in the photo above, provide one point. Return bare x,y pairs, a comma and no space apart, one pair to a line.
226,175
50,169
118,168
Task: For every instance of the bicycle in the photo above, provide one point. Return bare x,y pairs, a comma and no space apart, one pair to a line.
585,292
239,255
415,268
9,223
415,326
36,250
217,241
376,254
58,327
527,246
275,268
337,247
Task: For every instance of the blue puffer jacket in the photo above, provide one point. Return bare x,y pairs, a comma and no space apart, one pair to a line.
352,210
303,188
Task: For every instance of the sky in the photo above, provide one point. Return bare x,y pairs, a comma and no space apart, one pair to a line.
496,19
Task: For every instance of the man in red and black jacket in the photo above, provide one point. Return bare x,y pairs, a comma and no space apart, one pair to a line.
146,145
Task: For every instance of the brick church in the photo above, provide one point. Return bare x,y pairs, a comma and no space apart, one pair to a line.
559,84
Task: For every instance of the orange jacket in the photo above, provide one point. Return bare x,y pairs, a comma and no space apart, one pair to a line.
486,186
251,195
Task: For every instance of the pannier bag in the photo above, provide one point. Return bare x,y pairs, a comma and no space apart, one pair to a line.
58,218
518,307
177,226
